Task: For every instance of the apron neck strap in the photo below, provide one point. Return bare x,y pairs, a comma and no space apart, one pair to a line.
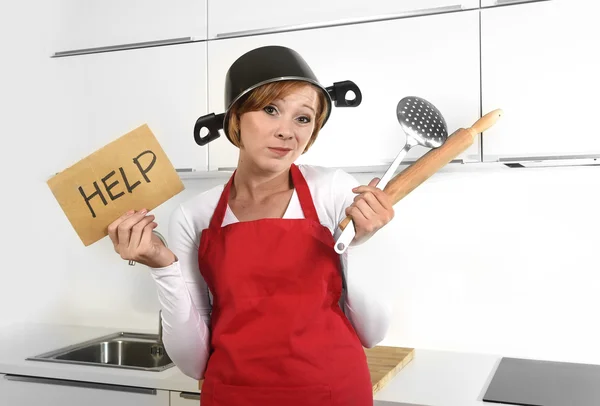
306,201
219,214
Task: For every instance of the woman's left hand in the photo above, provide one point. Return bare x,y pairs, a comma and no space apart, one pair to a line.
372,209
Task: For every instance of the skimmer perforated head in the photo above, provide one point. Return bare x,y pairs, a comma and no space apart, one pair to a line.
422,122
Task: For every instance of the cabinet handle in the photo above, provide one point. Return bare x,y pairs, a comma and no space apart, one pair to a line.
80,384
189,395
121,47
337,23
506,2
539,158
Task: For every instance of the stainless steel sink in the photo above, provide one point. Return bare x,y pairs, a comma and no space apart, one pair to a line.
118,350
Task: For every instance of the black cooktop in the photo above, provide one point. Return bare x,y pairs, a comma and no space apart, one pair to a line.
544,383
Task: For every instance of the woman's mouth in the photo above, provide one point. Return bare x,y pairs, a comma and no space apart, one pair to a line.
280,151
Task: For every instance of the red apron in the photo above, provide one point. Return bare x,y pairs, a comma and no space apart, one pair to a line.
278,334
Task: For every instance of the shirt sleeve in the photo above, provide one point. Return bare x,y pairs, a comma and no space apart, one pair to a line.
184,300
366,308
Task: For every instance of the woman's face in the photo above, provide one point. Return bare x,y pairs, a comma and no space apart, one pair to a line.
274,137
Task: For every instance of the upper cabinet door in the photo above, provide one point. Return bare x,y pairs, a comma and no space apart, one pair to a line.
109,94
540,65
434,57
249,18
126,23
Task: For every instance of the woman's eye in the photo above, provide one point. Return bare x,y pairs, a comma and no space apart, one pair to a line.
304,119
270,110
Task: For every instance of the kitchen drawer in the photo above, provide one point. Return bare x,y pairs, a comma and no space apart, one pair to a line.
16,390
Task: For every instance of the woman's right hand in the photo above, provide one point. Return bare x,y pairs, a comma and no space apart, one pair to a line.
133,239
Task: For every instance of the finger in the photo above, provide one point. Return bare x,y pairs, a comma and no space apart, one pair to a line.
372,184
366,210
364,189
373,203
357,216
112,227
361,212
362,224
146,239
383,198
124,229
137,230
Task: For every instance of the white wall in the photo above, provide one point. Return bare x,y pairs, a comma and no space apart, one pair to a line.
479,258
33,261
496,260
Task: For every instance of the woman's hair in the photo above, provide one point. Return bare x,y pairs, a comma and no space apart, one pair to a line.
262,96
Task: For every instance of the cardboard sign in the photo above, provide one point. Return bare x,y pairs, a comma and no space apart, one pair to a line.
132,172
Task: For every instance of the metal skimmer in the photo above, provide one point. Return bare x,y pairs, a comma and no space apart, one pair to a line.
423,125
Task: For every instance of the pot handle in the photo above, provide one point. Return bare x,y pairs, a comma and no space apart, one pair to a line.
338,93
213,123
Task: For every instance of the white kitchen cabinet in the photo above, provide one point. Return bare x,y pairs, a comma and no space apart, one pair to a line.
434,57
288,15
109,23
185,398
107,95
32,391
540,66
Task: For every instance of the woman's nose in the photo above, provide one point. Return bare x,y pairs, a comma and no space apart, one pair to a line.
284,131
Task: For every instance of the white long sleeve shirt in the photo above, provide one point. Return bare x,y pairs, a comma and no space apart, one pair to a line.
184,296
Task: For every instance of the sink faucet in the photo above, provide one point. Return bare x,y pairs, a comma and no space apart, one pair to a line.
159,348
160,328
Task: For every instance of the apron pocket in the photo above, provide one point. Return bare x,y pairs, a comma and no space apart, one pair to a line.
232,395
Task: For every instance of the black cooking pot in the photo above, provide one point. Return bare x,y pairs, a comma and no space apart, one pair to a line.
265,65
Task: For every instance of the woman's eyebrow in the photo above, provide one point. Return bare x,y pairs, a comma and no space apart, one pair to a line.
306,105
275,101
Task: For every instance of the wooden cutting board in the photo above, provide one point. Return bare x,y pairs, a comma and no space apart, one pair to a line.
384,363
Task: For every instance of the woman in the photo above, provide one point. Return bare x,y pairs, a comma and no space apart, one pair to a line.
254,299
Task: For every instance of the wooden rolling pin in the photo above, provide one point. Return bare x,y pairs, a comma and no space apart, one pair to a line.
431,162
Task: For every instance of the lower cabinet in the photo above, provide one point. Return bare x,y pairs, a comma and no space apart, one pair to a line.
17,390
185,398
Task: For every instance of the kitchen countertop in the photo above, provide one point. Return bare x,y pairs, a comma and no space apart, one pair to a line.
431,378
20,341
442,378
